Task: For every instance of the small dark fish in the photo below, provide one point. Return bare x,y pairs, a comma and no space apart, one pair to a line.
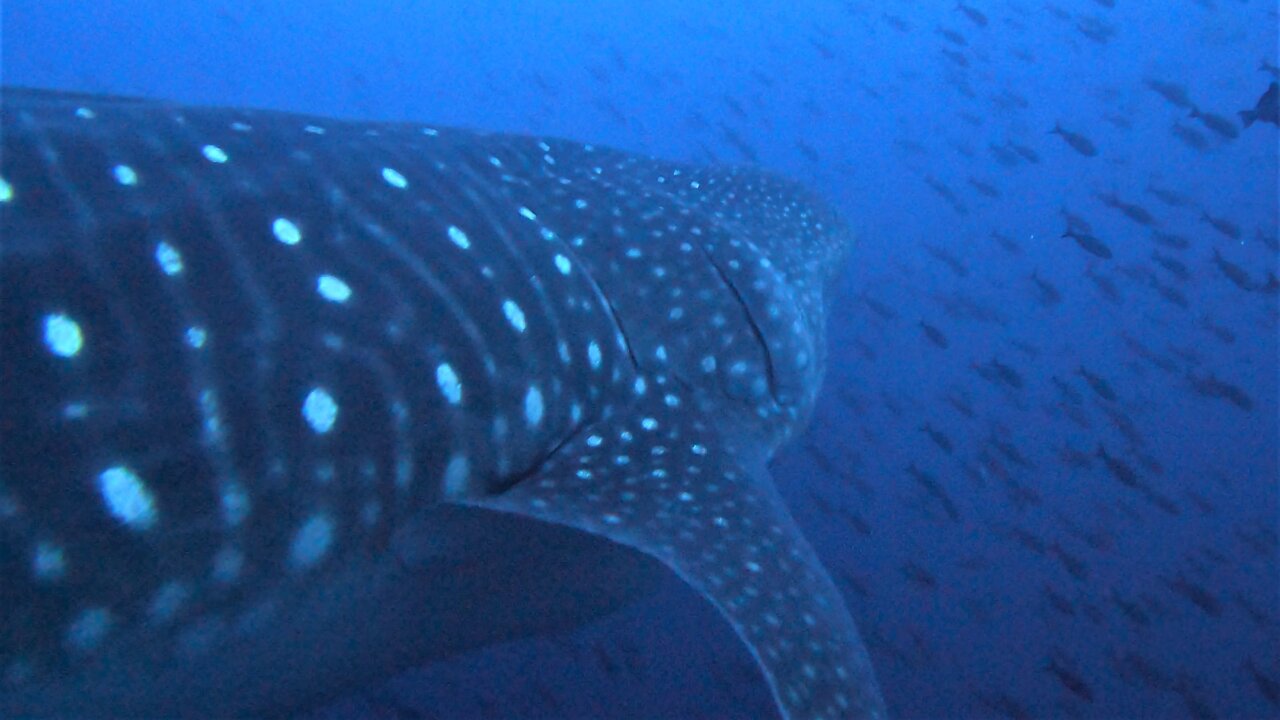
1059,602
1006,706
1130,609
1010,100
946,193
1133,211
1099,385
947,258
1025,152
1190,137
735,107
1010,245
1134,668
1171,294
1222,225
1106,286
1074,566
1090,244
1074,221
1196,594
1075,459
935,490
985,188
955,57
733,138
1048,295
1068,392
884,311
997,371
1217,123
918,575
896,23
1078,142
1267,109
1004,155
1269,67
1070,680
1120,121
1125,425
823,49
1234,272
1170,240
938,437
1011,452
1175,266
1271,240
961,404
953,37
1172,198
1096,29
1119,469
976,17
1268,686
1272,285
1173,92
935,335
808,151
1211,386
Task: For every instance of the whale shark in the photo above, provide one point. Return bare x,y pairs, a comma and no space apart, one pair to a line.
289,404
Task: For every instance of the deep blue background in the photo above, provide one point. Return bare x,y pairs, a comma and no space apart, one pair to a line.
882,109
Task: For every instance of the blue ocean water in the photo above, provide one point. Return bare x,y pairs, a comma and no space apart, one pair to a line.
1000,565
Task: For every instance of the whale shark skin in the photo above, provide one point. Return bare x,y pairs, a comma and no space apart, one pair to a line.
290,404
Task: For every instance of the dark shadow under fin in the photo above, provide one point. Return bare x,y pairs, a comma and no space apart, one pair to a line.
686,489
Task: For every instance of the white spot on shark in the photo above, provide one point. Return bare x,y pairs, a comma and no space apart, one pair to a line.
48,562
593,354
168,258
527,213
89,629
167,601
394,178
196,336
312,541
333,289
127,497
214,154
286,232
227,565
458,237
449,384
320,410
514,314
457,475
563,264
6,191
235,504
533,407
62,335
125,175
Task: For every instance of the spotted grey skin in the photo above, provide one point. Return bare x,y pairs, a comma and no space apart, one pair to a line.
290,403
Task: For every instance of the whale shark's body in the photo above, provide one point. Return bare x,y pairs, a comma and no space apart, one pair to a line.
289,404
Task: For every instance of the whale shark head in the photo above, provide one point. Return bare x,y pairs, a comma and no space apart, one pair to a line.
290,404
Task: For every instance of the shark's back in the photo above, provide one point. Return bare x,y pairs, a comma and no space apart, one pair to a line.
290,403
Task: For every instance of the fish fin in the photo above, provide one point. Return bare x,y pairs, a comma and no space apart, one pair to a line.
1247,117
688,490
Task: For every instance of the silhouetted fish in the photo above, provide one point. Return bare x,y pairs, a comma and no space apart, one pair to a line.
1267,108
